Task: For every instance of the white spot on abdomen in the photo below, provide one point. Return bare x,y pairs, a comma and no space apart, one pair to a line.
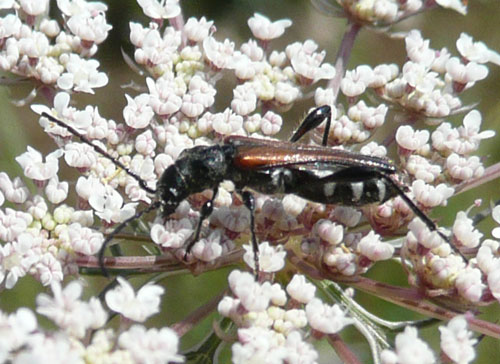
357,190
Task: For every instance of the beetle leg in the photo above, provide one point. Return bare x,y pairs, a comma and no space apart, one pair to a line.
249,202
312,121
206,211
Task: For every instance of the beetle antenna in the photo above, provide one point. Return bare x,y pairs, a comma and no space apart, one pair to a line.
101,151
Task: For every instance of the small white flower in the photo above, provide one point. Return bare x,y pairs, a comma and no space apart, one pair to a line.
408,349
262,28
75,7
173,235
9,25
418,76
18,327
136,307
197,30
469,284
50,28
244,68
337,258
108,205
160,9
431,196
465,232
293,205
81,74
219,54
418,49
271,259
227,123
495,214
34,7
471,127
383,74
486,257
326,319
208,248
355,82
422,169
465,73
371,117
234,219
252,50
374,149
374,249
89,28
258,345
48,269
458,5
476,51
271,123
16,259
35,46
66,309
145,143
192,106
299,351
311,69
464,168
13,223
88,186
457,342
286,93
244,99
411,140
301,290
84,240
420,233
138,114
151,346
14,191
80,155
494,280
33,166
56,191
329,231
253,296
163,97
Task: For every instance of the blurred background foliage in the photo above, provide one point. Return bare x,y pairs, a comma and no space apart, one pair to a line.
184,293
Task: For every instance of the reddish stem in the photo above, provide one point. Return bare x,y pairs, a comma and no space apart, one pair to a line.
345,354
343,57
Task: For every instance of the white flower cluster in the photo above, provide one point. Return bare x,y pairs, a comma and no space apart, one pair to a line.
45,240
37,47
438,269
344,253
271,329
76,320
380,13
457,345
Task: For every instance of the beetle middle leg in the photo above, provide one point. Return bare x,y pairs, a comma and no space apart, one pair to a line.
249,202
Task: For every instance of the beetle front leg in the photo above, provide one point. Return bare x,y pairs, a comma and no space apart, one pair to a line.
206,211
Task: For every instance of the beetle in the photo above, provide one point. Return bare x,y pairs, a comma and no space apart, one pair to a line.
315,173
